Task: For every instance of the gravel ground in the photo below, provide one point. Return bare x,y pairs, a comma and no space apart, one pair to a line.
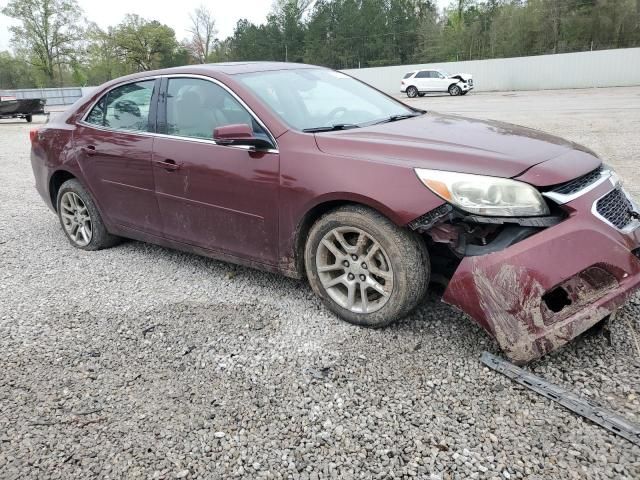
142,362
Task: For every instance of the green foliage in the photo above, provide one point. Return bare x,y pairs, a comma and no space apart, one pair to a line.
52,48
48,35
146,45
15,73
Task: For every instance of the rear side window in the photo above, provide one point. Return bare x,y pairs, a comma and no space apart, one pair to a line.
96,117
423,75
125,108
407,75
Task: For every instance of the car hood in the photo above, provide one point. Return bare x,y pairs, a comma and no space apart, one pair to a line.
463,76
453,143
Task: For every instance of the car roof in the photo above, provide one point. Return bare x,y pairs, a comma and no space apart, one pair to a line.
232,68
214,69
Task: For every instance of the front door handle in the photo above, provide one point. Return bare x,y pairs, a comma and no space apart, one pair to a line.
169,165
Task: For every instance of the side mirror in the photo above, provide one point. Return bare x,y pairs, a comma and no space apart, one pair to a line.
239,134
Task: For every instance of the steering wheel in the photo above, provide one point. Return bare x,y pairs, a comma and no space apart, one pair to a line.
334,113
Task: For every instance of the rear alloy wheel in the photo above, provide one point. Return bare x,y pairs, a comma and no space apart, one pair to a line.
364,268
412,92
80,219
455,90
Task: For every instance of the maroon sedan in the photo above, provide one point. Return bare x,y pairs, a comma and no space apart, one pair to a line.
308,172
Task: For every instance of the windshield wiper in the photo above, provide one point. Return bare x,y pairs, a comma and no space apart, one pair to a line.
332,128
395,118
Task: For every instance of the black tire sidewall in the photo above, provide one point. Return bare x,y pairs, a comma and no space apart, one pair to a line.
454,90
406,252
412,89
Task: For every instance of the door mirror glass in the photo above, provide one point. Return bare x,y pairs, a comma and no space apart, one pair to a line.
239,134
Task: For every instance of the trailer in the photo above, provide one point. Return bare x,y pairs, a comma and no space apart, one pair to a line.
12,107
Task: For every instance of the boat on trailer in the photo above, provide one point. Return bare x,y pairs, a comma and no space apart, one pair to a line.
12,107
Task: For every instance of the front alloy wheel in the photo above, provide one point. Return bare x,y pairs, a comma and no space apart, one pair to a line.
366,269
455,90
354,270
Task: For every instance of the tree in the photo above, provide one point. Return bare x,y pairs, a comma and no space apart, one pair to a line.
15,72
203,32
146,45
103,57
48,34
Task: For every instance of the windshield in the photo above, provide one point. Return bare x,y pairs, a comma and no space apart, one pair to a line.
315,98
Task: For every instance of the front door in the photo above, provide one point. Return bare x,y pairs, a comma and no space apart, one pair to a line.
212,196
441,83
115,156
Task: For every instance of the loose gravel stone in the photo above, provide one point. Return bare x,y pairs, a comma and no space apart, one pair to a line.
143,362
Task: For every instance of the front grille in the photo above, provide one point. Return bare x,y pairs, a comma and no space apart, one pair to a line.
579,183
616,208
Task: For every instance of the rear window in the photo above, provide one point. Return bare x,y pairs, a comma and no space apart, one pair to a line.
125,108
407,75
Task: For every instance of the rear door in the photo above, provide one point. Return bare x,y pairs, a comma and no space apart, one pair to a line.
115,142
422,81
217,197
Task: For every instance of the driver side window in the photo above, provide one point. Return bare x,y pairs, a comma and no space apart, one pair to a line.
195,107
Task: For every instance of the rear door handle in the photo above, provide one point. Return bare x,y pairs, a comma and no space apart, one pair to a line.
89,150
169,165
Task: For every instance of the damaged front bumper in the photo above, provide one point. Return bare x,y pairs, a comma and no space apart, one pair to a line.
542,291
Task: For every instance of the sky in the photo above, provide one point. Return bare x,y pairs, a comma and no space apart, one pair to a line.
174,14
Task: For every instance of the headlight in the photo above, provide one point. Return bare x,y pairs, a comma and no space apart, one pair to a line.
499,197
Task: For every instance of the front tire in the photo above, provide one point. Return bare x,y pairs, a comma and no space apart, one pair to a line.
365,269
454,90
80,219
29,118
412,92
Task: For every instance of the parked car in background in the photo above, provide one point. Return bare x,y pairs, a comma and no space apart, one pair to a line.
308,172
12,107
421,82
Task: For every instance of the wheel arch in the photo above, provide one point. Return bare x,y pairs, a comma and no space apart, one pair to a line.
55,182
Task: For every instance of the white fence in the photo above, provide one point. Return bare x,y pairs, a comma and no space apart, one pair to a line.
54,96
603,68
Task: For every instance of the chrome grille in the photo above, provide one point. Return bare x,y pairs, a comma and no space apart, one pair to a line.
579,183
615,208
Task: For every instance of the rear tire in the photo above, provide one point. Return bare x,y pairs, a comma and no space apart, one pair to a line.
412,92
454,90
29,118
80,219
356,249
